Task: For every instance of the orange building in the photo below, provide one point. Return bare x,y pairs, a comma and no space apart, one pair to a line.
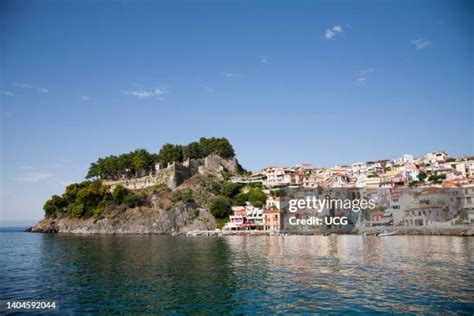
271,220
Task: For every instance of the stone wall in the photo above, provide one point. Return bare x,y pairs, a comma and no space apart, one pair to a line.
176,173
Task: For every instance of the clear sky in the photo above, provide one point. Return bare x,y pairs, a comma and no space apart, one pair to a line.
285,81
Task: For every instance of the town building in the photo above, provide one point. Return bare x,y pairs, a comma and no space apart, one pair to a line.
435,158
403,159
464,165
271,220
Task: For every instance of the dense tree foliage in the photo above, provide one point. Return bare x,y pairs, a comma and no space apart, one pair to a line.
230,189
88,198
218,146
133,163
54,205
79,200
193,151
139,162
220,207
257,197
123,196
170,153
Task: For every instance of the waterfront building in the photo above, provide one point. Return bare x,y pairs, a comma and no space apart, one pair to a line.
271,220
380,218
466,200
237,220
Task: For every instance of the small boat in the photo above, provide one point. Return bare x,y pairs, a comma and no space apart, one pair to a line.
387,234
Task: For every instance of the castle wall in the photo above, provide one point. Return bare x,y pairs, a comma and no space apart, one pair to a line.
176,173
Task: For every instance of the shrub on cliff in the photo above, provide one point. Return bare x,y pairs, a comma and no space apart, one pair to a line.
220,207
210,185
119,193
87,199
83,199
230,189
184,195
122,196
131,200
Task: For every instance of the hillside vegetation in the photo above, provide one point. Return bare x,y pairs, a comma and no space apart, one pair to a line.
140,161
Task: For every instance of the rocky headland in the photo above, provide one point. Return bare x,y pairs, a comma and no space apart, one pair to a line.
142,193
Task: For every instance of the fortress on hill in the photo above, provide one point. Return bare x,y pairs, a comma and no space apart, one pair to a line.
176,173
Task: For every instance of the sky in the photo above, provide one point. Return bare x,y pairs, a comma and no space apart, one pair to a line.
285,81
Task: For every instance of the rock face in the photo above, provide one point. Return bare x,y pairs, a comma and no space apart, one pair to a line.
140,220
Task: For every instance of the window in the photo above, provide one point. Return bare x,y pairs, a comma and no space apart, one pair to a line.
468,200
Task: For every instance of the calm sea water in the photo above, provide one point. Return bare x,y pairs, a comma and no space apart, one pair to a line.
220,275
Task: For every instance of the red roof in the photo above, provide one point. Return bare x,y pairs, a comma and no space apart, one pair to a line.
271,211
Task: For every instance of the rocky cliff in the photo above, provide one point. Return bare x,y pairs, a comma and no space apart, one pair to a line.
162,209
141,220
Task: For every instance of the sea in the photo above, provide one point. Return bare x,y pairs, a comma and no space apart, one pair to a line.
153,274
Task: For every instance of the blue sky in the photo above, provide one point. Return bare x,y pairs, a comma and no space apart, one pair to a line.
285,81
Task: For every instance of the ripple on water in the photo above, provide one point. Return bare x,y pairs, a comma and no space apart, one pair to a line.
241,274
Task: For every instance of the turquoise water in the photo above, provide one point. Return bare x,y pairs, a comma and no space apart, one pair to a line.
239,274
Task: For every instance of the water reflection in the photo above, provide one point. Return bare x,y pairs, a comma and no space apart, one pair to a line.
240,274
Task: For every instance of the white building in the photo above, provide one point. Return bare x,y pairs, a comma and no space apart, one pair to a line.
464,165
435,157
403,159
279,176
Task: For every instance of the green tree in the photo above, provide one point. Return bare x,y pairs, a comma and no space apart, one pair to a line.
93,171
219,146
119,193
131,200
422,176
230,189
193,151
257,197
241,199
54,206
142,160
170,153
220,207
